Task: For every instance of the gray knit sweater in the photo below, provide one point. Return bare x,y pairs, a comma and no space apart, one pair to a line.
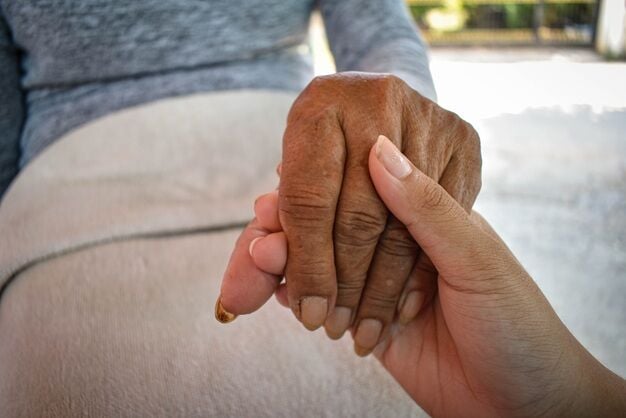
66,62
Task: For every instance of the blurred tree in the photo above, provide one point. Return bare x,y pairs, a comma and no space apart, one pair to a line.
518,15
450,17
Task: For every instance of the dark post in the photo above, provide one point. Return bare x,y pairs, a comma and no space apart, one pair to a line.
538,19
596,16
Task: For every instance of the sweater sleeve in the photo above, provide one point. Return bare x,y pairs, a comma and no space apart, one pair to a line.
11,108
377,36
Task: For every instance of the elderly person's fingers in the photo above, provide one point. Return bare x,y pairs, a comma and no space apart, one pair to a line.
330,212
245,287
270,253
311,176
418,290
359,222
386,277
253,272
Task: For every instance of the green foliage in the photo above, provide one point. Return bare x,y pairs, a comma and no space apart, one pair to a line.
418,12
512,15
519,15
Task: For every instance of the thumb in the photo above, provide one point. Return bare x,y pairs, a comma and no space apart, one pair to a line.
436,221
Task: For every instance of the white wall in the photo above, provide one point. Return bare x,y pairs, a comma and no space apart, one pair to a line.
611,35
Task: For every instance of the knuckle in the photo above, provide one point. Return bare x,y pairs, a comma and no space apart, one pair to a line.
473,138
358,227
317,83
317,100
397,241
425,267
471,142
388,87
349,292
467,161
310,274
463,134
475,152
322,87
309,109
320,80
474,187
390,81
379,300
467,130
301,205
473,163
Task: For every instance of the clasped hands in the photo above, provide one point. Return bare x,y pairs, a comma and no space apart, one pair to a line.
350,261
373,230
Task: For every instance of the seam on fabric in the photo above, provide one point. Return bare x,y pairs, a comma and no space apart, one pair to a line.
96,243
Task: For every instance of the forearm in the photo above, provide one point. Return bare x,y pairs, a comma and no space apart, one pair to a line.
608,391
591,390
378,36
405,59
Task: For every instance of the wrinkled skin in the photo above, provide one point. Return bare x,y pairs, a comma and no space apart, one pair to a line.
343,243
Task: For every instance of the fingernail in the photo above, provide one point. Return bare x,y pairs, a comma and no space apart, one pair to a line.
252,244
367,335
391,157
338,322
313,311
411,307
222,314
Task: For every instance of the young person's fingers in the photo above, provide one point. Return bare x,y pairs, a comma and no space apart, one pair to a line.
266,211
440,226
269,253
245,287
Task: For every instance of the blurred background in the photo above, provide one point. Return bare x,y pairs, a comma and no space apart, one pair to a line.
506,22
542,82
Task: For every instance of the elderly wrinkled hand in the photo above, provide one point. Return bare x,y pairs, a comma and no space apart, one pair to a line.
350,260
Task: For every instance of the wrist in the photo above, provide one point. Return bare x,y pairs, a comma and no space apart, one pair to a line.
601,392
609,392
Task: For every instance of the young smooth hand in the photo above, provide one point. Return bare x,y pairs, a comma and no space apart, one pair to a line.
486,342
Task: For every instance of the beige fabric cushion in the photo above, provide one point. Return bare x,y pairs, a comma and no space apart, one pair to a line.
116,240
